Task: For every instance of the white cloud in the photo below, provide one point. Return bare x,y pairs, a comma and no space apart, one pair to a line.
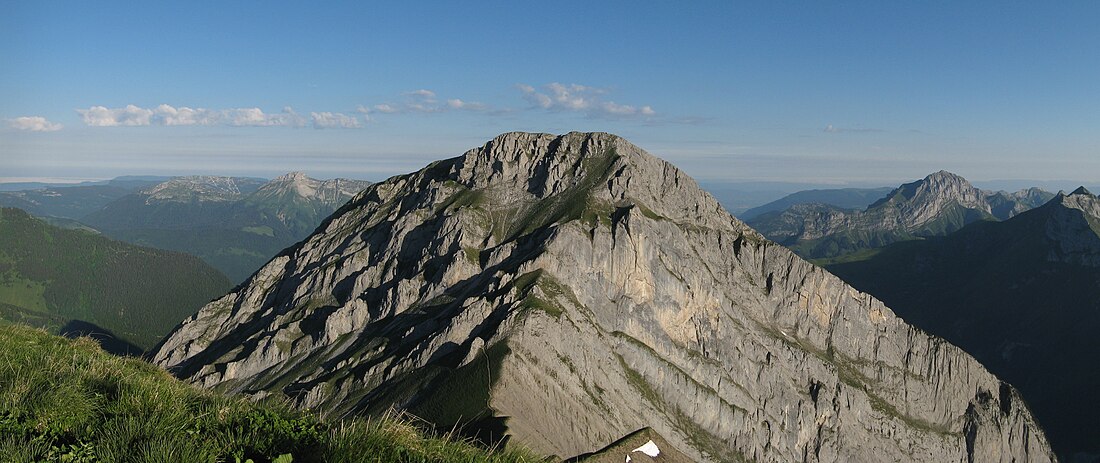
327,120
424,101
456,103
167,115
386,108
365,111
833,129
99,116
34,124
580,98
422,93
255,117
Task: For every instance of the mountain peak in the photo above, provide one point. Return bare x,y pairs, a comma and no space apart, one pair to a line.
573,176
1081,190
299,185
942,175
296,176
923,200
544,284
944,181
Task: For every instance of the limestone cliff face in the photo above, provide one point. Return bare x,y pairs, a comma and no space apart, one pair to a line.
569,290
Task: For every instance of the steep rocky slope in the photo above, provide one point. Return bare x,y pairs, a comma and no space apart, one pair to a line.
933,206
566,291
1023,296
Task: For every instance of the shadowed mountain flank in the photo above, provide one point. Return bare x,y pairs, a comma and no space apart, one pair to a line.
1022,296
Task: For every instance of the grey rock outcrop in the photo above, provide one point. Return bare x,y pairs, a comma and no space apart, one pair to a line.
568,290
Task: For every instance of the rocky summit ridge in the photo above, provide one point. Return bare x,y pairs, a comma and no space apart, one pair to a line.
334,191
566,291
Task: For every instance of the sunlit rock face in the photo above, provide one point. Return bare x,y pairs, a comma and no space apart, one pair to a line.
566,291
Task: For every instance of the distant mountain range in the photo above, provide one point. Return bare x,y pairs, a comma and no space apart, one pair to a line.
562,292
72,281
841,198
234,223
124,181
72,201
933,206
1022,296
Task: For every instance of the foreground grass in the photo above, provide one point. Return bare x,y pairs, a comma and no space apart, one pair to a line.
66,400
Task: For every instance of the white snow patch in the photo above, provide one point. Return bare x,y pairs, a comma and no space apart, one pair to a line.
649,449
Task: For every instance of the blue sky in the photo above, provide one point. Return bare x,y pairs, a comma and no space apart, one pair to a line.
846,92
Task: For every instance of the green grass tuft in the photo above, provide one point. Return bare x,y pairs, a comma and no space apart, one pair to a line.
68,401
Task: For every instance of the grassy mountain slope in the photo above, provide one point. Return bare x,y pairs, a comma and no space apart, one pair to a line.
66,279
68,401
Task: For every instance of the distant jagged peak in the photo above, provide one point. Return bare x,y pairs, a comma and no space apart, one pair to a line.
943,180
1081,190
296,176
299,184
303,178
935,191
200,188
1031,194
1082,200
945,176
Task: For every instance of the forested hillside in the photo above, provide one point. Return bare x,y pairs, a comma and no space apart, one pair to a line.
67,279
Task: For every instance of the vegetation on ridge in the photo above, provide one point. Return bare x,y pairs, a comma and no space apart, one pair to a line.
67,400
